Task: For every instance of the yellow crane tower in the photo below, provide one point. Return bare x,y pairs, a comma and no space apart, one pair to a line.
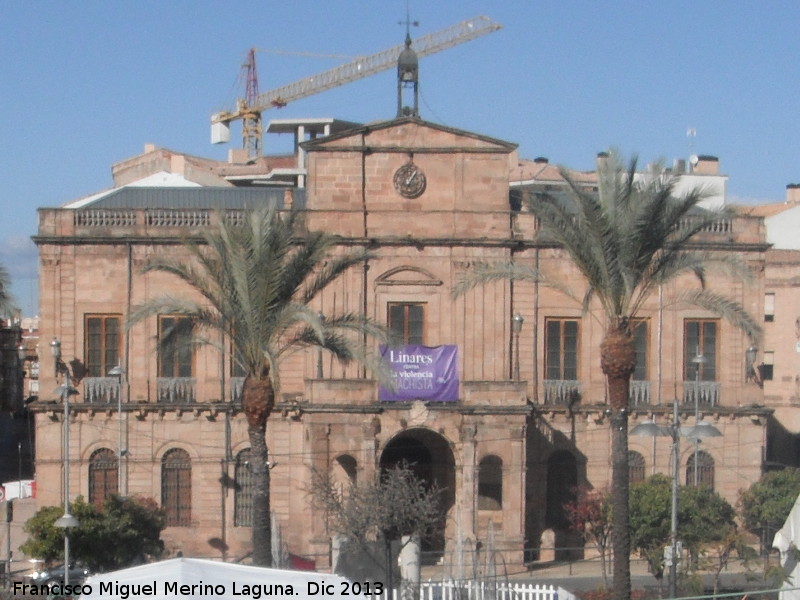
249,108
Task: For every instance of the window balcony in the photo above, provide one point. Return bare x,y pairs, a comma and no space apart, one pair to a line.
236,387
176,390
561,392
639,394
703,393
101,390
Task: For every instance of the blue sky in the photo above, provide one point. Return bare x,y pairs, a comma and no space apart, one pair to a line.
87,84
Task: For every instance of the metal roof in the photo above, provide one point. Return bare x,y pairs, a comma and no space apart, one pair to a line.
196,197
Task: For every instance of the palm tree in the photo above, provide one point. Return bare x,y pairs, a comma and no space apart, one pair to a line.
628,239
257,279
7,305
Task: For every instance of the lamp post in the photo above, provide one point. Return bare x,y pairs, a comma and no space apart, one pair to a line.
698,361
67,521
118,372
516,327
701,429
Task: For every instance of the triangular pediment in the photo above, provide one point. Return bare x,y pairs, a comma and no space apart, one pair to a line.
408,134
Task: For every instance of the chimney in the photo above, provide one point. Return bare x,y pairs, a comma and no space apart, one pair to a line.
602,159
706,165
149,148
793,193
540,160
177,164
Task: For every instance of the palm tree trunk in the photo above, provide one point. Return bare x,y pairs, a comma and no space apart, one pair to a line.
618,360
258,400
262,522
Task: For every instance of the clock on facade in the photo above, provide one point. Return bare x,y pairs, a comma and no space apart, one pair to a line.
409,181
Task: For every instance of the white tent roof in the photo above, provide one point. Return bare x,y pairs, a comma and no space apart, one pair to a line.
229,582
786,540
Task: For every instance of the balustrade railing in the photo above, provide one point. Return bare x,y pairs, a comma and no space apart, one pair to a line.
176,390
100,390
703,393
561,392
639,394
236,386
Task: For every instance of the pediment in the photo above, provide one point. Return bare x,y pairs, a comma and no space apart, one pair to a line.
407,275
409,135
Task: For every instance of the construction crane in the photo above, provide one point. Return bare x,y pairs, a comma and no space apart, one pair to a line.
249,108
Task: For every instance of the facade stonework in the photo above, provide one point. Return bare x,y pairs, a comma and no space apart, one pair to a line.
529,423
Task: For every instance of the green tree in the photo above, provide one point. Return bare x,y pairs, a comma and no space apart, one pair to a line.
257,279
118,534
705,519
650,503
627,239
768,502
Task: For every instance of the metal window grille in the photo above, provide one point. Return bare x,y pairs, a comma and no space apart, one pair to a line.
635,467
705,469
176,487
243,497
103,471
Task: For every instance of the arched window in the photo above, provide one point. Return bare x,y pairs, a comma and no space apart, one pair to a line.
702,471
635,467
103,471
243,494
490,483
176,487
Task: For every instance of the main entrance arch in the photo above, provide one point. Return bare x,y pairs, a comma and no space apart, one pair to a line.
430,457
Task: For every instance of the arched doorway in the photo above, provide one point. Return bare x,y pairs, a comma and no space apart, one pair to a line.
430,457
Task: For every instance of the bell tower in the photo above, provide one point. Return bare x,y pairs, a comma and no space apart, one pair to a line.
408,79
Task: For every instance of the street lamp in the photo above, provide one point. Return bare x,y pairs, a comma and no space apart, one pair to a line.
701,429
697,361
65,390
118,372
516,327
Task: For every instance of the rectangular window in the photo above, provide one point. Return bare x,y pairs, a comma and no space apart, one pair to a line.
700,338
640,329
407,323
561,349
769,307
765,369
101,343
174,358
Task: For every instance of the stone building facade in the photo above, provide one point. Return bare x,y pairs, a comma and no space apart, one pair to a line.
529,422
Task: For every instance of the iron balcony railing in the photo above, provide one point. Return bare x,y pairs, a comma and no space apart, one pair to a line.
561,392
701,393
176,390
100,390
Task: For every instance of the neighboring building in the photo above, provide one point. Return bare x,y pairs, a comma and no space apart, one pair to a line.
779,362
526,422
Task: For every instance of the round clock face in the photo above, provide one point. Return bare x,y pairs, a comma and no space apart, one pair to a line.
409,181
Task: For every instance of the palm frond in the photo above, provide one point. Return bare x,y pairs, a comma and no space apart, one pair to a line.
724,307
7,302
255,279
482,273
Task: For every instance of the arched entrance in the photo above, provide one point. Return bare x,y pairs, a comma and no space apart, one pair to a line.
430,457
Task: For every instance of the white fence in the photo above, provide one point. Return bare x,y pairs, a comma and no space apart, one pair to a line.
481,590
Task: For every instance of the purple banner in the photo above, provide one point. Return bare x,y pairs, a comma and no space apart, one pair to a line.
421,373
